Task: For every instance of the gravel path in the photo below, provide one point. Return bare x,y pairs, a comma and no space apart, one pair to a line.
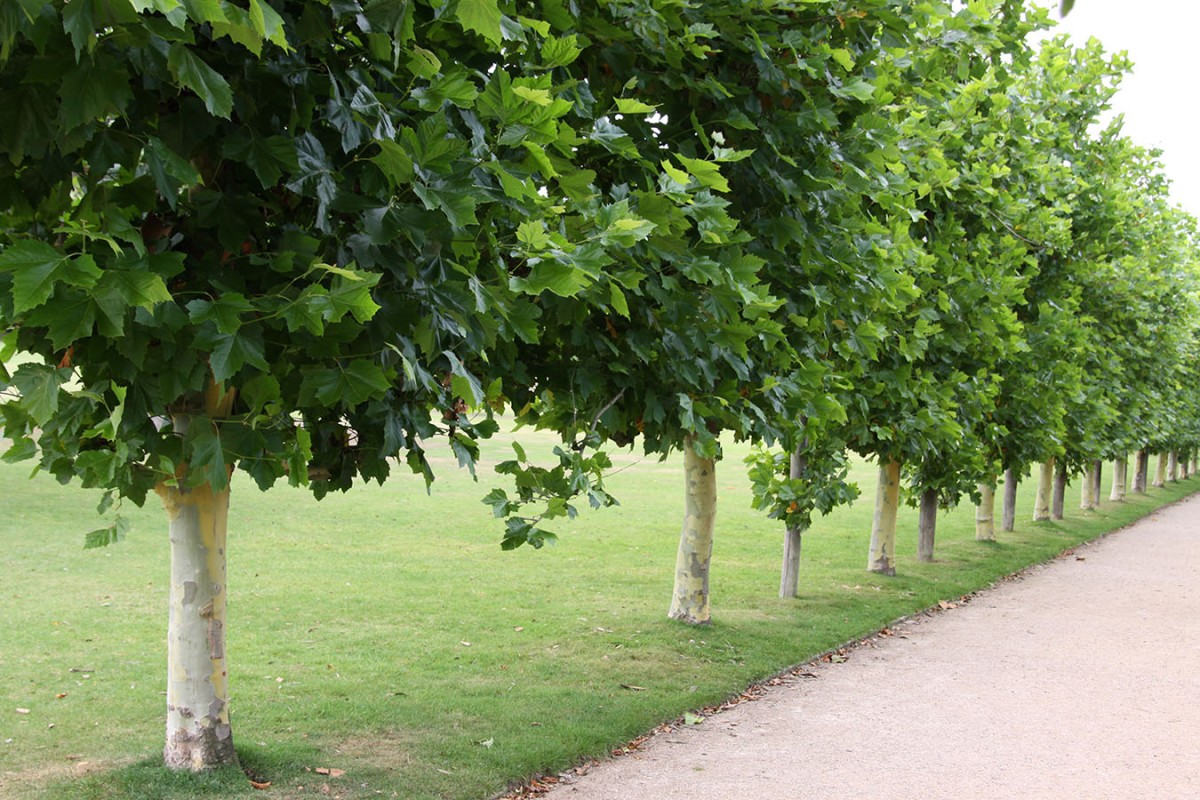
1079,680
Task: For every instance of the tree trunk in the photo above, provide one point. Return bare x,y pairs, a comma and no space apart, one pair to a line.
985,523
198,732
789,580
1059,500
928,525
1009,520
1160,474
1045,490
1120,468
1173,466
1097,481
882,558
690,600
1141,472
1087,491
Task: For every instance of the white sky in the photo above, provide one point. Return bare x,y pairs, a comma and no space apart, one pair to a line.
1159,99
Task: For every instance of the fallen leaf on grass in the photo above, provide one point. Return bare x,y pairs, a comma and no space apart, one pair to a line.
633,688
263,785
22,710
333,773
488,742
945,606
60,695
692,719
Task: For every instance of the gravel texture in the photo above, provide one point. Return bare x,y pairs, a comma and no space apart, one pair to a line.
1079,679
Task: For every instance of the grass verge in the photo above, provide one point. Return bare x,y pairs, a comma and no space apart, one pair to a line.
382,636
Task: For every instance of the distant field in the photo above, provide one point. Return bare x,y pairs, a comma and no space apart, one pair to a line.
385,634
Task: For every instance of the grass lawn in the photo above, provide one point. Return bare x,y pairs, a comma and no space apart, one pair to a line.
383,632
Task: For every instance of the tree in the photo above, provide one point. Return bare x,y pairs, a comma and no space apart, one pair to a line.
297,239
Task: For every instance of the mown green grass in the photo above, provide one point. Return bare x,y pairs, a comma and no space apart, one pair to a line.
385,634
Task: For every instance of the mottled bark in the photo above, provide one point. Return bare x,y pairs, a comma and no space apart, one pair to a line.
1009,519
789,579
1120,468
689,601
1173,466
927,528
1160,473
1045,489
1087,492
1141,472
985,523
1059,500
198,732
882,558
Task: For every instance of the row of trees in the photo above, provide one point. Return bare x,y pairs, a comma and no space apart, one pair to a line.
303,239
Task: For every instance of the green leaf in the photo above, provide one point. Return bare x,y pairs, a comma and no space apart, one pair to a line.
394,162
94,90
192,73
268,23
560,52
705,172
562,279
424,63
481,16
627,105
39,386
539,97
135,288
171,171
37,267
356,383
103,537
206,455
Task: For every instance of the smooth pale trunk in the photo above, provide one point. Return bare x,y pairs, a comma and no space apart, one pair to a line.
690,599
1173,466
1120,468
1059,500
1045,491
1097,480
1087,491
1009,520
1195,466
789,578
927,528
882,558
1160,474
985,522
1141,472
198,732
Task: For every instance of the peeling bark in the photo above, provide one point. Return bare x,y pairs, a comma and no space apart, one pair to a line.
1120,469
1160,473
1059,500
985,523
1009,520
927,529
882,557
789,578
1141,472
198,731
690,598
1041,507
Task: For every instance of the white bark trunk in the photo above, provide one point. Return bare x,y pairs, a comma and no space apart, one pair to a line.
985,523
1140,472
1120,468
1097,481
1173,466
1045,490
1059,500
927,529
1009,520
1160,474
882,558
690,599
789,579
1087,492
198,732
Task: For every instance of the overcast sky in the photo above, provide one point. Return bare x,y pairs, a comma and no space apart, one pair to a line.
1160,100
